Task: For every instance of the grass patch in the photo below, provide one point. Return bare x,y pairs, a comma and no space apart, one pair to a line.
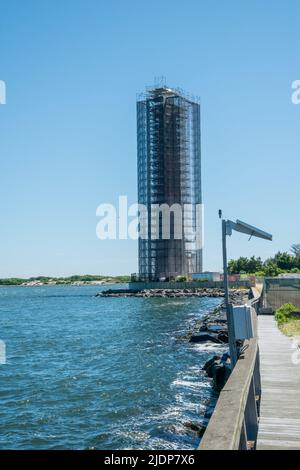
291,328
288,322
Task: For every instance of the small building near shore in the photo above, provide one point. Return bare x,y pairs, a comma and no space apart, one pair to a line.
207,276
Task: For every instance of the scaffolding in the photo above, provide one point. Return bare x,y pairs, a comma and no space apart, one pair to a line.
169,172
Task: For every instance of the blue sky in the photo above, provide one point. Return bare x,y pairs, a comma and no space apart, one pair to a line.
68,131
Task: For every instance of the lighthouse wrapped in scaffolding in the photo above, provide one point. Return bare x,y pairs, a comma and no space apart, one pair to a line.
169,174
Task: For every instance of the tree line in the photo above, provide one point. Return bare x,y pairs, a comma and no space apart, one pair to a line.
16,281
282,262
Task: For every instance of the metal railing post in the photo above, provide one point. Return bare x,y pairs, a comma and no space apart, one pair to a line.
243,438
251,419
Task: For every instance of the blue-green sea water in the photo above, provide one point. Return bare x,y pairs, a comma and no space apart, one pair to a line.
86,372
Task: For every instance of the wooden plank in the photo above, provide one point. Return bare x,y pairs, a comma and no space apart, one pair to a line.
279,425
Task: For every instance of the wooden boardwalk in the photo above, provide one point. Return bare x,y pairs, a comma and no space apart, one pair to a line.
279,425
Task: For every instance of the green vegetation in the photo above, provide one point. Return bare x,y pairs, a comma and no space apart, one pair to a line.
86,278
181,279
285,313
11,281
288,322
282,262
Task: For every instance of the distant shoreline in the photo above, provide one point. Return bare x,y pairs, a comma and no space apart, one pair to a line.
76,284
76,280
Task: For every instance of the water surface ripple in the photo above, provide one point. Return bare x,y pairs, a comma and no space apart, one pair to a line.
105,373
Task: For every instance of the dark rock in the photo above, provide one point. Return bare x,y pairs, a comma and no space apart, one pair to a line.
199,429
204,338
225,357
221,373
203,328
209,365
223,337
218,376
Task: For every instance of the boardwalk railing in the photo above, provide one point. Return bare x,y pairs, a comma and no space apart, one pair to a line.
234,422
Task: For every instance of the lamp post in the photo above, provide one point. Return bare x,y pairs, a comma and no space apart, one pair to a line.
227,227
228,306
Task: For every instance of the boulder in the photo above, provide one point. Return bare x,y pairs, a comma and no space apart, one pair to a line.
208,366
199,429
204,338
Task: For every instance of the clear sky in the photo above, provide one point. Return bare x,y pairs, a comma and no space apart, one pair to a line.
68,132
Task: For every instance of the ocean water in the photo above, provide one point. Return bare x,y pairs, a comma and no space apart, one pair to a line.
84,372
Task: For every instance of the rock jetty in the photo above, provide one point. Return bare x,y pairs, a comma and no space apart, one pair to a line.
213,328
194,292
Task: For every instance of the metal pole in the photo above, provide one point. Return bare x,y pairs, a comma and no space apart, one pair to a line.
230,325
225,270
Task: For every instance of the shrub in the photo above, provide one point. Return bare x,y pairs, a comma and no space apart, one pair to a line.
285,313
